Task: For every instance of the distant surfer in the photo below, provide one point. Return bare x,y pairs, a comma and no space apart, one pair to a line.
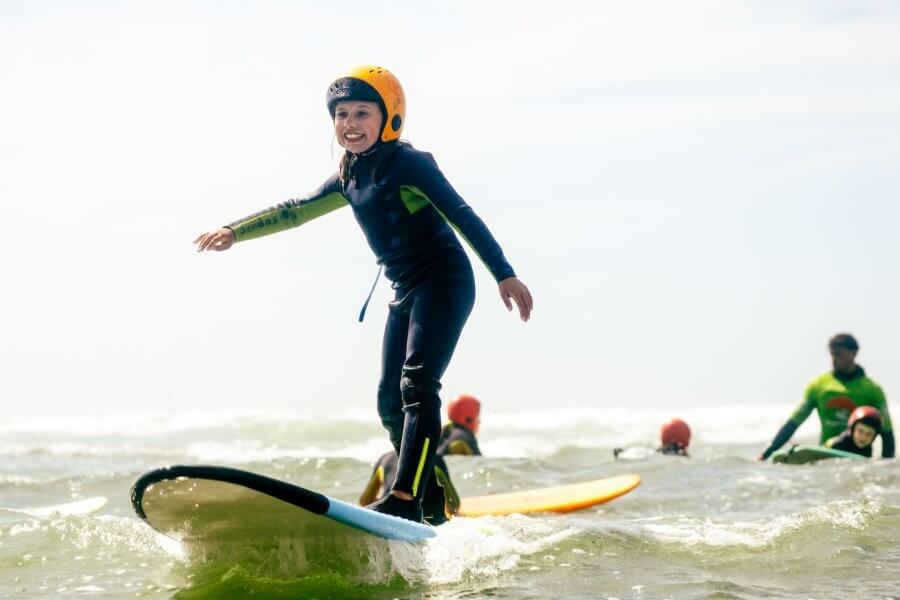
674,439
835,395
406,207
863,427
458,436
440,502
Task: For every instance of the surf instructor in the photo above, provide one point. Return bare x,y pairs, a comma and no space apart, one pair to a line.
407,210
835,395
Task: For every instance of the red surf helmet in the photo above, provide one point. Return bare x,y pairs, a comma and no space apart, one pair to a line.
868,415
464,410
675,431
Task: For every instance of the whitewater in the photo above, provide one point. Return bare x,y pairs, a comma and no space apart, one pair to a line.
716,525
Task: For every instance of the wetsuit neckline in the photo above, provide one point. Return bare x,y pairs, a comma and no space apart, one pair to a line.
362,160
367,154
854,374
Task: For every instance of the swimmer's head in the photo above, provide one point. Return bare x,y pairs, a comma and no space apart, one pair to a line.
843,348
465,411
864,424
675,432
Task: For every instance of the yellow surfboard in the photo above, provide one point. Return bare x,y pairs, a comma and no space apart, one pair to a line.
565,498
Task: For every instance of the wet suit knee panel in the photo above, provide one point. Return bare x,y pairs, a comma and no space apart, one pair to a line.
416,388
421,430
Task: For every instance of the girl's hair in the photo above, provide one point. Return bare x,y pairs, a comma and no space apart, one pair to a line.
383,157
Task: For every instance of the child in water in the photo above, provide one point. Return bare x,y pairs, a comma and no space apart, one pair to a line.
405,207
458,436
674,439
863,427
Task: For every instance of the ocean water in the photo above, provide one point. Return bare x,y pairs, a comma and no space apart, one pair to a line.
717,525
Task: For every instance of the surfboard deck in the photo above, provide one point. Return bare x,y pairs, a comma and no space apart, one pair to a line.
82,507
206,506
800,455
561,499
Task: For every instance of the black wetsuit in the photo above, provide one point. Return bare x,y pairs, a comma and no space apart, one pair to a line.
404,212
844,442
456,439
673,449
439,494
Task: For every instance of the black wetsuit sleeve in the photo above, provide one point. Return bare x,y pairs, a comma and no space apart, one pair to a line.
783,435
473,444
293,213
423,173
887,444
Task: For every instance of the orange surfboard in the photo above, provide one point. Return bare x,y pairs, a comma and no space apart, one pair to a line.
565,498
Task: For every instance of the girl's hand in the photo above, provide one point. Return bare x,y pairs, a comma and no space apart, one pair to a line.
513,289
219,240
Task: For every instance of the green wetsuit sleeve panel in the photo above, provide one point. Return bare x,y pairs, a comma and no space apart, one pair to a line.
292,213
809,404
800,414
427,181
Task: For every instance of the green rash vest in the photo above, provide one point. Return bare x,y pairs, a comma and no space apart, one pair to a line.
835,400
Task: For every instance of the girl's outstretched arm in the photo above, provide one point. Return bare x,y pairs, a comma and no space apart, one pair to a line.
513,290
221,239
280,217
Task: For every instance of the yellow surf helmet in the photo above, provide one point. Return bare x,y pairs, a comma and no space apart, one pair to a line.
370,83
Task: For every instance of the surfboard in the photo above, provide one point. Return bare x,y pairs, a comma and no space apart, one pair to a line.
561,499
799,455
206,506
76,508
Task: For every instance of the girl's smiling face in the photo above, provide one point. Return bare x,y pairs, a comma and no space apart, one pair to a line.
357,125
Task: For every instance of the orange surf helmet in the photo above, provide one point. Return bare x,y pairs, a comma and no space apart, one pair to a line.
464,410
868,415
373,84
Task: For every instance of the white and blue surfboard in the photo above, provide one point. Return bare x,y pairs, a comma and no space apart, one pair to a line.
203,505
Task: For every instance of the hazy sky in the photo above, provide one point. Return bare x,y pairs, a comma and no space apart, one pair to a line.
698,194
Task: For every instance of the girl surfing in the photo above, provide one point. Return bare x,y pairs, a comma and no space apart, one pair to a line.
405,207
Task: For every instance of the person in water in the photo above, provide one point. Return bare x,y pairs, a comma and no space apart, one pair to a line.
440,501
458,436
674,439
863,427
407,210
835,395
